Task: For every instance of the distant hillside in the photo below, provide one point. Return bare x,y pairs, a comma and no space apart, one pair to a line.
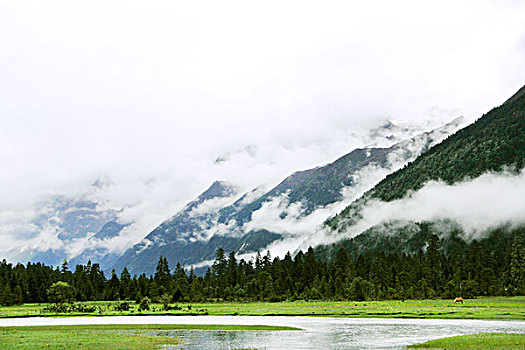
493,142
71,220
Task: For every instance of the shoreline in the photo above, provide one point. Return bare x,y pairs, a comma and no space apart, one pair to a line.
281,321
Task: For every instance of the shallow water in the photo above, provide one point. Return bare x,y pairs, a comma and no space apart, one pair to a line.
317,332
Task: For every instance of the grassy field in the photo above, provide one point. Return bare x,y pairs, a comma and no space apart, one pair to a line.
490,308
477,341
105,336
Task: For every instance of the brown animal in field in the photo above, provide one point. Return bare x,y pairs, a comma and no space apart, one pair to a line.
458,300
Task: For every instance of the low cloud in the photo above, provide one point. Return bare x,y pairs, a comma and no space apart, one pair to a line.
212,205
478,205
151,96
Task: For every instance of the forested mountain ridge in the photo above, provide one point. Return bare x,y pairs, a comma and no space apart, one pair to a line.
493,142
410,238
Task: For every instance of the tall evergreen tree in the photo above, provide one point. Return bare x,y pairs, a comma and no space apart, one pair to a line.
162,274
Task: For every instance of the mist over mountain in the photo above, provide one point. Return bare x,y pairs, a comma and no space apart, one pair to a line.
249,222
493,142
69,225
473,181
141,200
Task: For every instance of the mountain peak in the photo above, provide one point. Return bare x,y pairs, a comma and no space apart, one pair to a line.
216,190
102,182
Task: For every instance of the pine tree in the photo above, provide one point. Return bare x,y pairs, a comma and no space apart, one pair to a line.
18,297
433,263
162,274
219,272
111,291
517,263
196,291
125,285
231,270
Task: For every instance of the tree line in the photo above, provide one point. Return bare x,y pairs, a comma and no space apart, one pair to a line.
489,267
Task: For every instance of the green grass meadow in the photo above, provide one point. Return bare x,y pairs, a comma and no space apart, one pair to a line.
106,336
82,337
494,341
489,308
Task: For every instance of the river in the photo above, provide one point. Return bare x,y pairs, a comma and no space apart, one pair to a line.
317,332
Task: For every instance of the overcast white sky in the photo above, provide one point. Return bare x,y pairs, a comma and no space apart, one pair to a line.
150,93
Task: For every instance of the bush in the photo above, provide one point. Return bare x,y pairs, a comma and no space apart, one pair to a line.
122,306
71,308
60,292
144,304
166,300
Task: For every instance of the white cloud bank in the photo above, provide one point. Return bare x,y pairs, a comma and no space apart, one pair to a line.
489,201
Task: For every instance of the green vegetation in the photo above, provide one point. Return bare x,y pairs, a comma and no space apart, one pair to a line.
449,266
483,308
493,308
107,336
435,268
477,341
85,337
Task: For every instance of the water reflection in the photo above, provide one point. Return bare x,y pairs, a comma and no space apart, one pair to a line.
341,334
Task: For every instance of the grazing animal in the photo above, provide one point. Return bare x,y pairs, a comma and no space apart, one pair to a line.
458,300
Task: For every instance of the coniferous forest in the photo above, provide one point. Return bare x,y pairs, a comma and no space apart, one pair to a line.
446,268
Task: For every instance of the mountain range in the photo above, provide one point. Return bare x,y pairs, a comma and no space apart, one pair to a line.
252,221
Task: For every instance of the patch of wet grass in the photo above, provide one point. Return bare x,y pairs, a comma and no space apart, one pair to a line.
79,337
108,336
476,341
